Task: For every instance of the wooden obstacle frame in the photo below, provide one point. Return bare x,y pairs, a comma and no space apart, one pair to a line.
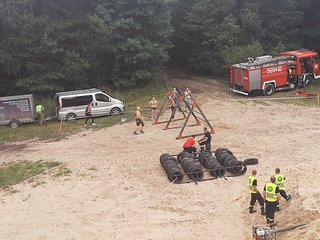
177,107
194,110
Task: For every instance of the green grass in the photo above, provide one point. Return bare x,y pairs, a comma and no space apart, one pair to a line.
17,172
131,98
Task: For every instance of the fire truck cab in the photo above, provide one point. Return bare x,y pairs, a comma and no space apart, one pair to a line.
267,74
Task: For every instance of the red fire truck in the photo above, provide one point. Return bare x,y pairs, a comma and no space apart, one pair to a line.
267,74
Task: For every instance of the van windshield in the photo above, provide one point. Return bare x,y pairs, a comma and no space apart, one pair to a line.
76,101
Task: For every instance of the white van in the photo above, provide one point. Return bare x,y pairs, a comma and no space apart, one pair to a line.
72,104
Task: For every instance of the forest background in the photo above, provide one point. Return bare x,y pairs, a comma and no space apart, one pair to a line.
55,45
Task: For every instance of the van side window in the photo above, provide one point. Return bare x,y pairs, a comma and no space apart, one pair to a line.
102,98
76,101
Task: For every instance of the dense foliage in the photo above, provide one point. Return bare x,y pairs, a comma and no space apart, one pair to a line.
56,45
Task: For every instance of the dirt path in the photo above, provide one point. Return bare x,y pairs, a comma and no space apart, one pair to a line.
117,189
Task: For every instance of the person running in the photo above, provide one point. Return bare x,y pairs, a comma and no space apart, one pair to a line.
189,145
255,194
88,113
139,121
153,105
40,111
205,141
280,180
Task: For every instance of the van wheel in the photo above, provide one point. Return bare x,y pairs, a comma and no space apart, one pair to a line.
71,116
269,89
115,111
14,123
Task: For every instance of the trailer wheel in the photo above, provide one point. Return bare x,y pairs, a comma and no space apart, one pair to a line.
71,116
307,81
269,89
14,123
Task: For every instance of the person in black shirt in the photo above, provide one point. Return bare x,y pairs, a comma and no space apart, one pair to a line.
205,141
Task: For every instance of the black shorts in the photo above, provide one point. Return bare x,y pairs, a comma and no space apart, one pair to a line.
153,108
139,122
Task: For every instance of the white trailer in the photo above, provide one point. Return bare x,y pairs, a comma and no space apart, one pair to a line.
15,110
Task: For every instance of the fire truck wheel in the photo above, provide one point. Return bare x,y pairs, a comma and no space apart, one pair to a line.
308,80
269,89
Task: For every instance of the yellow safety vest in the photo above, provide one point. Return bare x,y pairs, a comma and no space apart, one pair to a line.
251,188
39,108
271,195
280,181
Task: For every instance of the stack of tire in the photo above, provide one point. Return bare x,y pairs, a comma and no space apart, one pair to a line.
230,162
170,165
211,163
189,165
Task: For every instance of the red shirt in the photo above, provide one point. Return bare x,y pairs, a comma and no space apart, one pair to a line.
189,143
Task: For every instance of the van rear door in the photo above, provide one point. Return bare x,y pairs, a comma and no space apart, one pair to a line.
102,105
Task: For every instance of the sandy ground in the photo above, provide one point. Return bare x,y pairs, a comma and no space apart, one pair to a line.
118,190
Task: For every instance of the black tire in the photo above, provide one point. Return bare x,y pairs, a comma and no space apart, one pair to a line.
14,123
115,111
251,161
71,117
175,174
195,173
240,169
308,81
269,89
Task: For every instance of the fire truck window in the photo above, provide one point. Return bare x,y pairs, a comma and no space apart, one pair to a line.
315,59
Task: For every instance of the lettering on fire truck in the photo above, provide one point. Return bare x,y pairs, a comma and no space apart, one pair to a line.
274,69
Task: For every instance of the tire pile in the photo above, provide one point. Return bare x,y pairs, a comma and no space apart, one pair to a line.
217,165
230,162
170,165
211,163
189,165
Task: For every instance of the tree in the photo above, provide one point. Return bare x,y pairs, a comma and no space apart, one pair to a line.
140,38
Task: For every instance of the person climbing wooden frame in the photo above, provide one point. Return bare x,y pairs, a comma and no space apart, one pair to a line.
177,106
174,108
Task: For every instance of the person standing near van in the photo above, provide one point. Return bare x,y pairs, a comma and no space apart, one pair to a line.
40,111
153,105
89,115
139,122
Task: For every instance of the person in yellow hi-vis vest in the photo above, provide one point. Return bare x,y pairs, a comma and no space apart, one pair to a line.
255,194
271,197
280,180
39,111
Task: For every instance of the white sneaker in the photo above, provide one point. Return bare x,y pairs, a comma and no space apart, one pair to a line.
93,124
